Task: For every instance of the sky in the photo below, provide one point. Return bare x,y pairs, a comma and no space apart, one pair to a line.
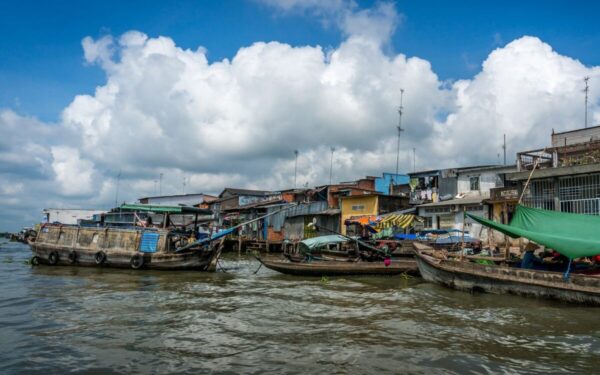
216,94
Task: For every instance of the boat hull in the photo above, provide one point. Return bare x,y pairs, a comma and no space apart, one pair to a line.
334,268
191,260
473,277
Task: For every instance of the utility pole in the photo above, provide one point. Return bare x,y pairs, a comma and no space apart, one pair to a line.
400,130
160,176
117,189
331,165
504,148
586,90
295,167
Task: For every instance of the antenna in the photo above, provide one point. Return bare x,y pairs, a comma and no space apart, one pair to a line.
400,130
295,167
504,149
160,176
331,165
586,90
117,189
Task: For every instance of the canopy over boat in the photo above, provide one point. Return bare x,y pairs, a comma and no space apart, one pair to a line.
315,242
572,235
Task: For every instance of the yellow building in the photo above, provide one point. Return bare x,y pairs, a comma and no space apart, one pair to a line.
356,206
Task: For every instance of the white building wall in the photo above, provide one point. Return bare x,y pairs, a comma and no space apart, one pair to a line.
487,181
68,216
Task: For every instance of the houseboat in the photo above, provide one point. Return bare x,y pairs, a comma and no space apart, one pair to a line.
134,236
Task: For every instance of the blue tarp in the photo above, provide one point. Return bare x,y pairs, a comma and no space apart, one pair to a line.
149,242
409,236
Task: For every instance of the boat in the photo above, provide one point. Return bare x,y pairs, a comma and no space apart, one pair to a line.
127,239
571,235
339,268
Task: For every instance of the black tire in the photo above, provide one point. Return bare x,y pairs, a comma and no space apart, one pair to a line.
35,260
137,261
100,257
53,258
73,257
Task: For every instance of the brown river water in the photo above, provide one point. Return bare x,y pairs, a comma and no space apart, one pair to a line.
56,320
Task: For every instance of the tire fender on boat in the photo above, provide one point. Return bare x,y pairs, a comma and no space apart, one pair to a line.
73,256
137,261
35,260
100,257
53,258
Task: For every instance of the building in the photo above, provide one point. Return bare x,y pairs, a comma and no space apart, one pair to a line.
68,216
455,191
564,176
368,205
391,183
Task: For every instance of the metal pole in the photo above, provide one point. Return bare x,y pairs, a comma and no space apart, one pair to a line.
414,160
331,165
295,167
586,90
504,148
160,176
400,130
117,189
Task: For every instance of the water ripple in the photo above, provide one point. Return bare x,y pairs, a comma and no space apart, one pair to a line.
89,320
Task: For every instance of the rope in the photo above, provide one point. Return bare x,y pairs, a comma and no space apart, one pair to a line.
566,275
221,266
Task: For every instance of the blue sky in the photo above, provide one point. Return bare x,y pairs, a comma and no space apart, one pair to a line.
42,66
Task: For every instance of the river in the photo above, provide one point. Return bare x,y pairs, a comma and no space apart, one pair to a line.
104,321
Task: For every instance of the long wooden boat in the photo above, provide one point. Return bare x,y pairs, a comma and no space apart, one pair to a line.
136,248
339,268
469,276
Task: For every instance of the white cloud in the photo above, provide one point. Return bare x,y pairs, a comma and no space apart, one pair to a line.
73,173
165,109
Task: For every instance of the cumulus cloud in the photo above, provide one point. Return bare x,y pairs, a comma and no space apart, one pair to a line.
235,122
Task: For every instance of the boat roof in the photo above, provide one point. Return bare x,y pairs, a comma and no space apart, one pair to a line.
166,209
315,242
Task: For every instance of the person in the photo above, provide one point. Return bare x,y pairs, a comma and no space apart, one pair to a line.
530,261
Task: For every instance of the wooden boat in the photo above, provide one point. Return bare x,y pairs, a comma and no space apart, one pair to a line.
339,268
166,248
469,276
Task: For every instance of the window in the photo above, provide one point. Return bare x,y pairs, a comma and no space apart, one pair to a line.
474,183
358,207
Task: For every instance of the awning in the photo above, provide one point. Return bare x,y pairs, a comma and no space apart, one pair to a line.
400,221
572,235
166,209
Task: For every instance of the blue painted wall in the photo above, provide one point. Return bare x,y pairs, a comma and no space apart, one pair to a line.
382,184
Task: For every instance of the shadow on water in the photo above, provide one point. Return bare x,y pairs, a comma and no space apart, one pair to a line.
90,320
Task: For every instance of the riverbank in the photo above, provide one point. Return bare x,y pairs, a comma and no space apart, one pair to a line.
59,319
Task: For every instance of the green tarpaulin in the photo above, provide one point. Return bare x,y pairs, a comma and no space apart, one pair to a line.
163,208
572,235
